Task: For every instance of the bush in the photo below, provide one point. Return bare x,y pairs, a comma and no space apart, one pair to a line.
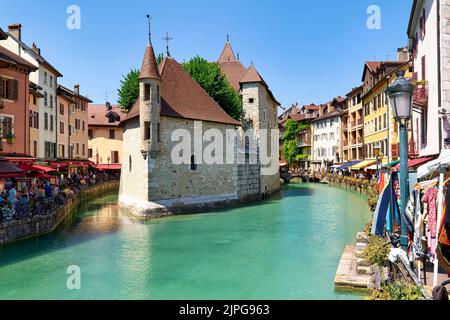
399,290
377,251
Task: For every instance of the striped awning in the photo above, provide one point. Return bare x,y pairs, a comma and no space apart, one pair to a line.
362,165
391,164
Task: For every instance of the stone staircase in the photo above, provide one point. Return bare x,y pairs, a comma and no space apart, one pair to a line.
353,270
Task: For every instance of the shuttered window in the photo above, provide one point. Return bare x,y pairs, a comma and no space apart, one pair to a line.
9,89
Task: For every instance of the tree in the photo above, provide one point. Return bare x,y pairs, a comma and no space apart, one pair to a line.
211,79
129,90
290,150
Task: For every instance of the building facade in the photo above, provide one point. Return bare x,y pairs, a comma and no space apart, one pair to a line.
14,101
380,127
72,123
46,77
429,37
34,106
105,136
326,131
353,127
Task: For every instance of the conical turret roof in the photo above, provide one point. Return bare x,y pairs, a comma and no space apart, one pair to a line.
149,69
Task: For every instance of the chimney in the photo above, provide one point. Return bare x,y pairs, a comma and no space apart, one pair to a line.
16,30
108,106
36,49
76,88
403,54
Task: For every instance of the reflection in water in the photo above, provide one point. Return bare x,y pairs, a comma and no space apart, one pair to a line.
285,248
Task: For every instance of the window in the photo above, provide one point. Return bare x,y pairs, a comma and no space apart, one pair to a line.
115,156
7,126
376,124
424,68
51,81
31,118
45,99
46,121
158,96
83,150
61,109
35,148
158,132
193,166
112,134
84,128
147,92
9,89
147,134
130,163
385,120
251,100
51,122
77,124
51,101
90,134
36,119
45,77
61,127
89,153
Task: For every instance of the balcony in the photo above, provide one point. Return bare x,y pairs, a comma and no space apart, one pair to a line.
420,93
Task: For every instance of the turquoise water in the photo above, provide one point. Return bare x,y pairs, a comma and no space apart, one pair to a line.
285,248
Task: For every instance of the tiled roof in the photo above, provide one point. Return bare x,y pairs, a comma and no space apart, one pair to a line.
12,58
183,97
234,71
252,75
37,56
327,116
149,69
65,91
232,68
98,115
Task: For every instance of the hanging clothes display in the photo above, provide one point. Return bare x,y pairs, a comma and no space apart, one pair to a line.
387,204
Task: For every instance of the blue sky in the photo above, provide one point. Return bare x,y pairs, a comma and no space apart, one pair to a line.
307,51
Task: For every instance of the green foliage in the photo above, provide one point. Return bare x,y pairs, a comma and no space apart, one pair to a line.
290,151
129,90
377,251
293,128
373,195
211,79
159,58
399,290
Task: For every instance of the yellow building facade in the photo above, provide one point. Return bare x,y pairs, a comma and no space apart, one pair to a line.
380,127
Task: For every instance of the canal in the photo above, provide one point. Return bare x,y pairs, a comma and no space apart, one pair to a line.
285,248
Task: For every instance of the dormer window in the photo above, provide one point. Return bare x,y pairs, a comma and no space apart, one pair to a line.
146,92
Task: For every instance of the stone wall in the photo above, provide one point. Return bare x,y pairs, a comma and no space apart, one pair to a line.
35,226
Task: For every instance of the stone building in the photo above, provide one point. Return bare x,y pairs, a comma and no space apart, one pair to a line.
260,109
169,164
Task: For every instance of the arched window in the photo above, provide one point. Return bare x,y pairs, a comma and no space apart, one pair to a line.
130,162
193,164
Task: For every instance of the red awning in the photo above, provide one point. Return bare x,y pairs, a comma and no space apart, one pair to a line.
40,175
20,159
7,170
108,166
414,163
43,169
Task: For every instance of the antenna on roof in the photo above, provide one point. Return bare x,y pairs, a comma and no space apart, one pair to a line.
167,39
228,37
149,29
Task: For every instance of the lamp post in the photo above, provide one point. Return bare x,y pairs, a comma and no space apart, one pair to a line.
400,96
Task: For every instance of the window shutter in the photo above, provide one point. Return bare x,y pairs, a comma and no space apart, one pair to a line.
1,88
14,85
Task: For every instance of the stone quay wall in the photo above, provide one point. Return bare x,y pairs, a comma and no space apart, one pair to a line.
35,226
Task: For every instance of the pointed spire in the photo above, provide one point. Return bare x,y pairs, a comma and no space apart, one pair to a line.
227,54
149,29
167,39
149,69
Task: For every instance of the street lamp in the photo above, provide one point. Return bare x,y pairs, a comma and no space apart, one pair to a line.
400,96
